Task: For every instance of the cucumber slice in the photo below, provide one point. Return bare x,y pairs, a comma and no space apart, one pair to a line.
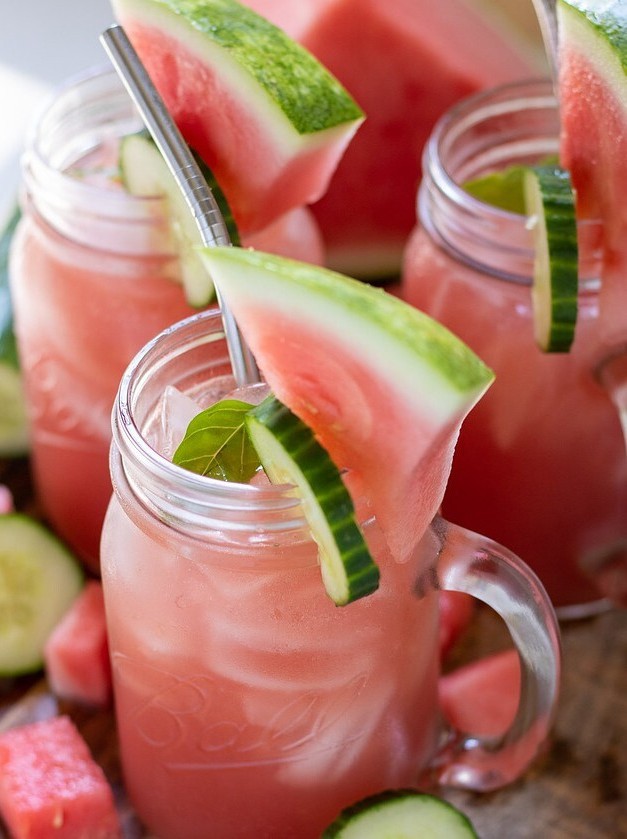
290,453
39,579
401,814
550,202
13,423
145,173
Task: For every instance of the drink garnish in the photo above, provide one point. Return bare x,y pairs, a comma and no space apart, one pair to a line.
145,173
550,203
291,454
216,443
231,439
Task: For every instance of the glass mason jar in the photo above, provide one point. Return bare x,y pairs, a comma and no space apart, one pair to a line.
247,703
540,464
92,279
94,276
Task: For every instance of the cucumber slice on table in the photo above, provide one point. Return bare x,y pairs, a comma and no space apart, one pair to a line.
145,173
290,453
13,421
401,814
550,202
39,579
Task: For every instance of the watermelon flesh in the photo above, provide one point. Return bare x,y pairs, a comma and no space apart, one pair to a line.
384,387
76,654
266,158
482,697
593,109
50,785
405,62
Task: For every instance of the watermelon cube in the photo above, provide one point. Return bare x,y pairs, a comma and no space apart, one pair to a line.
50,786
482,697
76,654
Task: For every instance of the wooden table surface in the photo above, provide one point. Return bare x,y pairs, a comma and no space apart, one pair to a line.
576,790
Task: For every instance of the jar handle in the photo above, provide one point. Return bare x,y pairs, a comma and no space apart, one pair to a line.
611,373
470,563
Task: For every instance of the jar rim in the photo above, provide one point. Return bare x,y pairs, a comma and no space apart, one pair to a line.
191,499
489,238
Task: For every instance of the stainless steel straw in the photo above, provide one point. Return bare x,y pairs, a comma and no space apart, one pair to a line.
190,179
546,12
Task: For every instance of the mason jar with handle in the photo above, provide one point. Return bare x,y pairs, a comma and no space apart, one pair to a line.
247,703
540,464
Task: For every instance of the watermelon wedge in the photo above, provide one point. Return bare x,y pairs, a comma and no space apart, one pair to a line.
593,107
405,62
265,116
384,387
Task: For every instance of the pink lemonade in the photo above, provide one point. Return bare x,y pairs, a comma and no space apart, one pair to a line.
94,276
247,703
540,464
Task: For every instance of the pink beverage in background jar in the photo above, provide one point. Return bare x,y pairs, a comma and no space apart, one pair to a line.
540,464
247,703
93,277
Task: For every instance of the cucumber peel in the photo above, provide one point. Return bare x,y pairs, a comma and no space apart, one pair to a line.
145,173
401,814
289,453
39,580
550,203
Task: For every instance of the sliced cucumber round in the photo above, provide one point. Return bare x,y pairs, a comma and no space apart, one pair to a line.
401,814
290,453
145,173
39,579
550,203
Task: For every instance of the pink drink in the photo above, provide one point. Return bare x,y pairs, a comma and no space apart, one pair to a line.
540,464
94,277
247,703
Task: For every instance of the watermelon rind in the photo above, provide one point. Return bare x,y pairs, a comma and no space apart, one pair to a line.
281,79
598,29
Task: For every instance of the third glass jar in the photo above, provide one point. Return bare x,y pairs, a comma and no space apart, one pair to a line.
540,465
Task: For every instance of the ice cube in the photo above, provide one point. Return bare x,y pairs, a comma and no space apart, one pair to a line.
176,412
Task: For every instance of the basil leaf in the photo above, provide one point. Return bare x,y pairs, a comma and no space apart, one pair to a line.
216,444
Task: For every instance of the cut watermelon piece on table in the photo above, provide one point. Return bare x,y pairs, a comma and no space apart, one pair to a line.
76,654
405,62
50,785
266,117
384,387
482,697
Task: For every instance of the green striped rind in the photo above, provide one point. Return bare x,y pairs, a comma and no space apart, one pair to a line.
597,29
39,580
606,19
401,814
145,173
309,96
551,203
14,437
290,453
437,373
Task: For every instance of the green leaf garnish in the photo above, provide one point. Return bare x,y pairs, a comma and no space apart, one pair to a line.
216,444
